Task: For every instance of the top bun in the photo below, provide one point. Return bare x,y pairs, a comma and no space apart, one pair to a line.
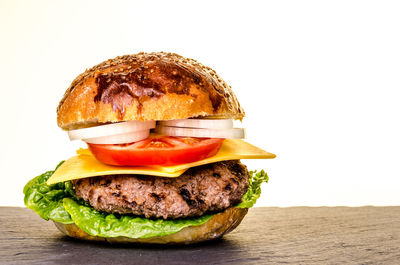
146,86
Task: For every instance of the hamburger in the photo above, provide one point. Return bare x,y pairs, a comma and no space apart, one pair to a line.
163,159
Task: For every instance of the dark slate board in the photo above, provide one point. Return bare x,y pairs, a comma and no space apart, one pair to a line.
299,235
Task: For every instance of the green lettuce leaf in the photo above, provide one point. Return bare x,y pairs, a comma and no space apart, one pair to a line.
109,225
59,203
254,191
46,200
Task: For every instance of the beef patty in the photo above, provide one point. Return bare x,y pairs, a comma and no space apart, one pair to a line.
209,188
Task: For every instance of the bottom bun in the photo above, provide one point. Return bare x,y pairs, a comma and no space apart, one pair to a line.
219,225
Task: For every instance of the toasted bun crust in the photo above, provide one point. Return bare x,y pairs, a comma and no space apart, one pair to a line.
216,227
146,86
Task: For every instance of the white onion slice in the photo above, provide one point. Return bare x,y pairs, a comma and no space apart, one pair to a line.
110,129
233,133
214,124
123,138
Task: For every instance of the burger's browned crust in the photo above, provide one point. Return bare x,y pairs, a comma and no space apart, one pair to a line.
220,224
146,86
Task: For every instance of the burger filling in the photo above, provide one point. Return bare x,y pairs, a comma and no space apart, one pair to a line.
204,189
97,205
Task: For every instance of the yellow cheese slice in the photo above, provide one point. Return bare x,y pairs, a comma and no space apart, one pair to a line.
231,149
85,165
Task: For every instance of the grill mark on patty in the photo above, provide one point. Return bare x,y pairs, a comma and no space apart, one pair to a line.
156,197
216,175
234,180
186,196
107,183
235,169
200,202
116,194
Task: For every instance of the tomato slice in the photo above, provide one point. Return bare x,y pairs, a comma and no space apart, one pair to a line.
157,150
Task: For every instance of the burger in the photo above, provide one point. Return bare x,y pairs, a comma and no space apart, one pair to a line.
163,159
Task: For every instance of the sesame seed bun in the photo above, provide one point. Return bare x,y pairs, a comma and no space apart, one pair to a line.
146,86
220,224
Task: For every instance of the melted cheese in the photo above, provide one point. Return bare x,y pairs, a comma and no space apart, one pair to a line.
85,165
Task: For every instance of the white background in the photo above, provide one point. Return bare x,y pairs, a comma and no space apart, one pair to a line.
319,81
